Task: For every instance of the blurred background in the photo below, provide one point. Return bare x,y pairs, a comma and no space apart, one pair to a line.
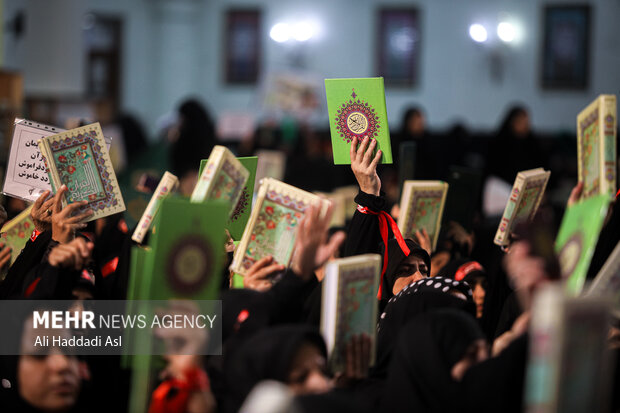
465,80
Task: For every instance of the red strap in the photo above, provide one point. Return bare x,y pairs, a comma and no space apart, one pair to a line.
35,235
618,193
384,220
466,269
31,287
172,395
109,267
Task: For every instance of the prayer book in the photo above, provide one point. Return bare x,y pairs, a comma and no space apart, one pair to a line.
271,164
167,185
339,214
272,227
16,232
240,215
26,177
349,304
607,281
421,207
577,238
357,108
596,147
569,358
79,159
348,193
223,178
525,196
185,253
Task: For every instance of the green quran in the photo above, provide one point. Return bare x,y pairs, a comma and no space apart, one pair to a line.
356,110
577,239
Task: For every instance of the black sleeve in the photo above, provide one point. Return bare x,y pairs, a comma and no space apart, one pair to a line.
30,257
363,236
53,283
287,298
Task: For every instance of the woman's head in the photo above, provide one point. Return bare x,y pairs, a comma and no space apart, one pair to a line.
432,354
414,121
291,354
41,377
402,269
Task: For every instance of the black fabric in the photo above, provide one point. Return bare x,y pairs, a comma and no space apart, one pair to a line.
13,285
497,384
363,236
510,312
331,402
413,300
265,356
419,379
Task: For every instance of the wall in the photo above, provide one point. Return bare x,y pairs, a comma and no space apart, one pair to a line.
173,49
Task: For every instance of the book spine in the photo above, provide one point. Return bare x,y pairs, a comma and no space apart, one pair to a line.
539,197
236,266
440,216
207,179
608,120
165,187
505,224
405,205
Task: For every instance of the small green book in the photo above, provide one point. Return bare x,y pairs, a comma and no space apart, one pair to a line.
357,109
577,239
241,214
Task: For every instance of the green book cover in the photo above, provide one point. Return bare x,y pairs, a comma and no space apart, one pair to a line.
187,250
357,108
577,239
237,222
183,261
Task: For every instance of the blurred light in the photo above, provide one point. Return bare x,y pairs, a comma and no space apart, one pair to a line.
506,32
478,33
280,32
303,31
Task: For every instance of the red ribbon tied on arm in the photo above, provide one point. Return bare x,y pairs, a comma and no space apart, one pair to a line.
386,221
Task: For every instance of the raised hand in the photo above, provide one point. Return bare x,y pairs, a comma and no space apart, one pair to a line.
424,240
5,254
41,212
261,273
364,165
575,194
312,248
64,224
73,255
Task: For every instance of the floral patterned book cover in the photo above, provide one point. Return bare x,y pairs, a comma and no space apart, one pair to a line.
240,215
272,228
349,303
525,196
357,109
16,232
223,178
79,159
421,207
596,146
